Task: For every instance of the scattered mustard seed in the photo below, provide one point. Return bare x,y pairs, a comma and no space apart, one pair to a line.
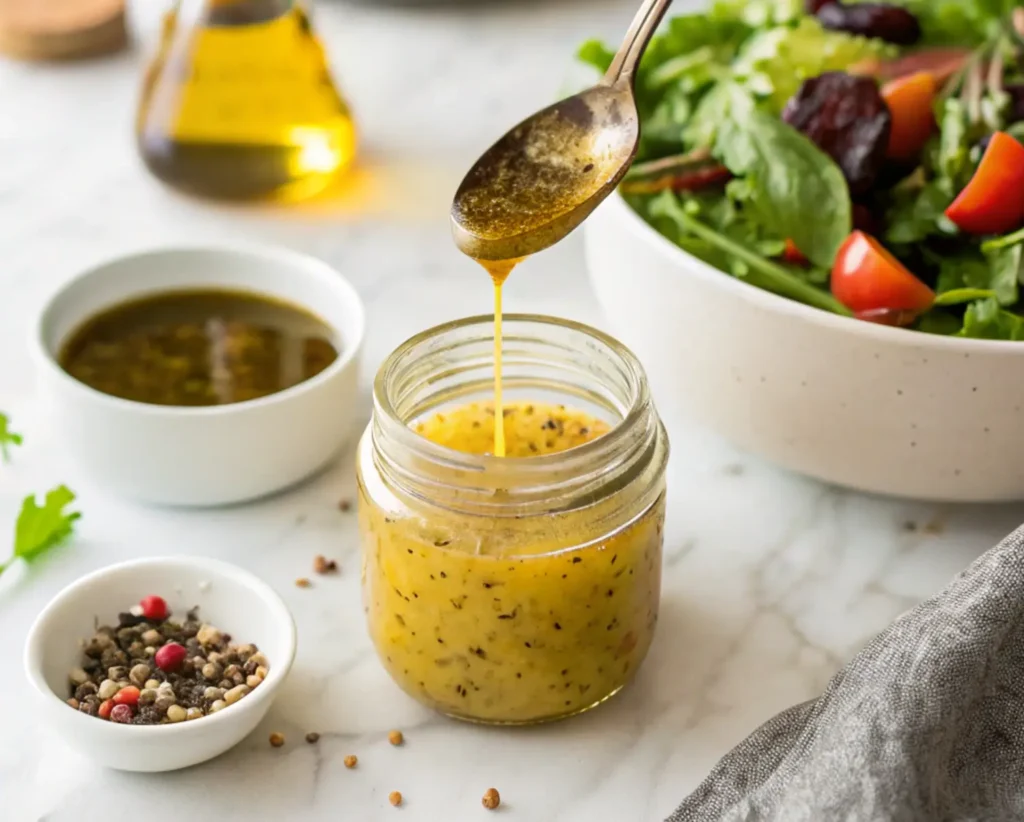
491,799
395,798
276,739
322,565
302,582
344,506
312,737
396,738
351,761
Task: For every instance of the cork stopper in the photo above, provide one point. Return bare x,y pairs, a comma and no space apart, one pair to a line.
61,29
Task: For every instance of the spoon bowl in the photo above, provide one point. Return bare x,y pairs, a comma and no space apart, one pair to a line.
545,176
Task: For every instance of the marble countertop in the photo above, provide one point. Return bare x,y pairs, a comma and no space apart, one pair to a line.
771,581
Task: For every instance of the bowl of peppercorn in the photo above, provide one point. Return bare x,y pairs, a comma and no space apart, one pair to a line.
159,664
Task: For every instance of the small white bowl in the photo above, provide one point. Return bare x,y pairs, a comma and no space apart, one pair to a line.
228,597
854,403
213,455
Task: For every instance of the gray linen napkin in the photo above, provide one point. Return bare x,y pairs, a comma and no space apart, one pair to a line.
926,723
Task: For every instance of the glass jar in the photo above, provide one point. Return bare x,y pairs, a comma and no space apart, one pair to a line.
512,590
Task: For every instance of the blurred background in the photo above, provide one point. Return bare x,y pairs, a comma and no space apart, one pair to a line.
429,87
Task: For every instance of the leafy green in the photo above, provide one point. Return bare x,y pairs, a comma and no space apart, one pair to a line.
7,438
38,529
774,63
959,22
985,320
917,211
798,191
757,270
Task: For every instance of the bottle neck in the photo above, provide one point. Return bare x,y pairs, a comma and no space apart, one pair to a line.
544,358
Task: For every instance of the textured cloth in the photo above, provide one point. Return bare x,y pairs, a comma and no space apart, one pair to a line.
926,723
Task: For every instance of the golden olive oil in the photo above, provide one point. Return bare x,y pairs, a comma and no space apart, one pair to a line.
239,103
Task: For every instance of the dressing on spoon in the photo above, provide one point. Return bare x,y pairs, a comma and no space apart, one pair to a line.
545,176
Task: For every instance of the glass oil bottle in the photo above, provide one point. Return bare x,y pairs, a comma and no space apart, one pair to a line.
239,103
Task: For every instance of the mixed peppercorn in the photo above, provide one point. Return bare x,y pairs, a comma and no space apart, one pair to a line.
153,670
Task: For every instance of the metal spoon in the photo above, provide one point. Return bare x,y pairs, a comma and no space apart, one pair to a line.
546,175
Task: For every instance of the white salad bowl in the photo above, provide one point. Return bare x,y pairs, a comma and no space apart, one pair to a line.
212,455
228,597
874,408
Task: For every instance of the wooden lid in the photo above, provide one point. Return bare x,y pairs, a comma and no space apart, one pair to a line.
61,29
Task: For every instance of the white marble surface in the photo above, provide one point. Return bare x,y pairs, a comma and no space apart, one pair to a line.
771,580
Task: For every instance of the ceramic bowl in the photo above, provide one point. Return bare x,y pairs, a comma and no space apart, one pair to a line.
878,409
211,455
228,597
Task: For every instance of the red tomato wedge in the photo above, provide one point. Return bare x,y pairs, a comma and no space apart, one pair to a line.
792,254
874,285
910,100
993,201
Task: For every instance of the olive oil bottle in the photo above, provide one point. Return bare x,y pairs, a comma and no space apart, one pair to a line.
239,103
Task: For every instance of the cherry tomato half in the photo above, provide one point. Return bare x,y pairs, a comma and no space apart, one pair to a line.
874,285
792,254
910,99
993,201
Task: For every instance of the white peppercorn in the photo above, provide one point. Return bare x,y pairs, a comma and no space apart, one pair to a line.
176,713
252,681
139,674
194,713
153,637
147,696
117,673
212,693
78,676
218,705
212,671
165,700
153,683
235,694
208,635
107,689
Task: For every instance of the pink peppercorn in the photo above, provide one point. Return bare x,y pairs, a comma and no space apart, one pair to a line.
128,695
121,713
153,608
170,656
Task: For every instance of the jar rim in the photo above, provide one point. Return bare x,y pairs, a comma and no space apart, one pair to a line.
539,476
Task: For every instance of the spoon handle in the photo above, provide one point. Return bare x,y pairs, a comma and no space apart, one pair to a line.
637,38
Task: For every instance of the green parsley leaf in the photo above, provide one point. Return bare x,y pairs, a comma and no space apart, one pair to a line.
7,438
38,529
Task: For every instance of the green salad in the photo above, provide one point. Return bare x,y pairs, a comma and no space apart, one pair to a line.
863,158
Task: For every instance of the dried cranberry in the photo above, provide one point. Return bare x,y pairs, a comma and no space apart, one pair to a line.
847,118
890,23
1016,111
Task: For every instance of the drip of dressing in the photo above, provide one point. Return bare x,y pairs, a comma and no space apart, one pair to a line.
499,271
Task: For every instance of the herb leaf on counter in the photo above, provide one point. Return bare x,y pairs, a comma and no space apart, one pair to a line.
40,528
8,438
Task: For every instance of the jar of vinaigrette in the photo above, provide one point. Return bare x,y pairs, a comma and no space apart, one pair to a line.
524,588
